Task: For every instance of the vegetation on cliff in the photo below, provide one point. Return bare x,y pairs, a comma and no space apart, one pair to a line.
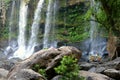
74,16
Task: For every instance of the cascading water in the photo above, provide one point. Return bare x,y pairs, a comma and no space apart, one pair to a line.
97,43
93,31
13,19
22,28
35,29
55,10
11,22
25,48
49,38
47,25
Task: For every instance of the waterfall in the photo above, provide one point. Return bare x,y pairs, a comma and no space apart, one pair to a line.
11,22
25,48
47,25
35,29
55,11
22,28
93,30
11,31
49,38
98,44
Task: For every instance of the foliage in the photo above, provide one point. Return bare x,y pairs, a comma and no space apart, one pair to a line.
106,14
69,69
4,33
38,69
112,10
7,3
73,25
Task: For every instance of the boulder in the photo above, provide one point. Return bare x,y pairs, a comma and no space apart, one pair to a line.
112,73
58,77
3,74
47,58
114,64
93,69
100,69
118,66
93,76
26,74
86,66
9,63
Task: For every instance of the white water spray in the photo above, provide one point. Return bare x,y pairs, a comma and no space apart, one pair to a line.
97,42
22,28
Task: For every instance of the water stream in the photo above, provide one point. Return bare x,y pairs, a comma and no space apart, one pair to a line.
11,22
50,26
34,29
97,43
22,29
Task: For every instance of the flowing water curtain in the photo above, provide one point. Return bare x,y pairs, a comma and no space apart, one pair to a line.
22,29
93,27
47,29
49,39
98,43
13,16
34,29
11,21
53,41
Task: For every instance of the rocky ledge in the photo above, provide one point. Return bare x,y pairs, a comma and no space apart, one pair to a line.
16,69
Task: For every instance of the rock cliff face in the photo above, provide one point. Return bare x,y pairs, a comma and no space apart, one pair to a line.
3,8
2,12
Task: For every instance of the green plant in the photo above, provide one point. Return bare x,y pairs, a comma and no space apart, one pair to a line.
4,33
6,3
38,69
69,69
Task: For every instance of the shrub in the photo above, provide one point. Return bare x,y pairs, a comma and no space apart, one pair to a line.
69,69
38,69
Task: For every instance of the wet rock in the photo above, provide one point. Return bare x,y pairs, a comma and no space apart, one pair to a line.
117,66
1,63
100,69
112,73
3,44
26,74
8,51
86,66
9,63
75,44
61,43
93,76
58,77
3,74
38,47
2,56
111,64
93,69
